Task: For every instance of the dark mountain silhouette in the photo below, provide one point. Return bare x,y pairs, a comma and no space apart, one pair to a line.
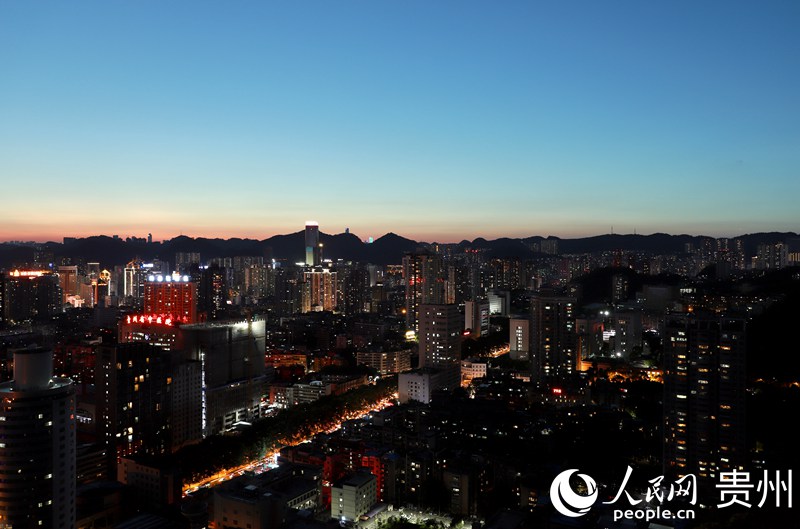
388,249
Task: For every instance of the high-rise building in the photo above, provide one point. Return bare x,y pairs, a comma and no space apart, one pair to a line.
174,296
476,317
619,288
704,395
133,387
213,291
626,326
37,445
319,289
499,301
259,281
519,338
155,329
68,281
231,354
440,328
31,294
2,299
313,249
549,246
135,275
771,256
185,262
355,289
553,351
424,275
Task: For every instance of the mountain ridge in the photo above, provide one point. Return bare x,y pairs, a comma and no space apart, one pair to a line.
387,249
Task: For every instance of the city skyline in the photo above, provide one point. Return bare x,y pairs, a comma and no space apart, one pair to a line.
143,236
438,122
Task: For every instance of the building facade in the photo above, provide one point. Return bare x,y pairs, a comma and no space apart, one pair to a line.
704,395
37,445
553,336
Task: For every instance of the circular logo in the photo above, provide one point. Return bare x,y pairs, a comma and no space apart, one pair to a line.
567,501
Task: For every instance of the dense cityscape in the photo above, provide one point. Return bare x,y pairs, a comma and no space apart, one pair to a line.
437,385
446,264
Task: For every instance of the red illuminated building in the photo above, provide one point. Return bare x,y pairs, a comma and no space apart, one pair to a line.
171,295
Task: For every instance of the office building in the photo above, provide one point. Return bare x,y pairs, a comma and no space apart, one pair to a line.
313,249
172,296
37,445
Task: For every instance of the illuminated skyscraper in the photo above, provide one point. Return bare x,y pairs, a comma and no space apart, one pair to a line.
424,276
29,294
439,335
312,243
134,279
171,295
553,337
231,354
134,391
37,445
213,291
319,290
440,329
68,280
704,395
519,339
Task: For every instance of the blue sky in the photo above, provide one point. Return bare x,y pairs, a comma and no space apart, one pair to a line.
436,120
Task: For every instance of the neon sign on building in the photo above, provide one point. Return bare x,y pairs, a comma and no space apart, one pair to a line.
168,320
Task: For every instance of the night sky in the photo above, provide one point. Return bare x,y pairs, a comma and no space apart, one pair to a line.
436,120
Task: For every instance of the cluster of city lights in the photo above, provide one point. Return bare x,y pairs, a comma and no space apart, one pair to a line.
27,273
270,460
